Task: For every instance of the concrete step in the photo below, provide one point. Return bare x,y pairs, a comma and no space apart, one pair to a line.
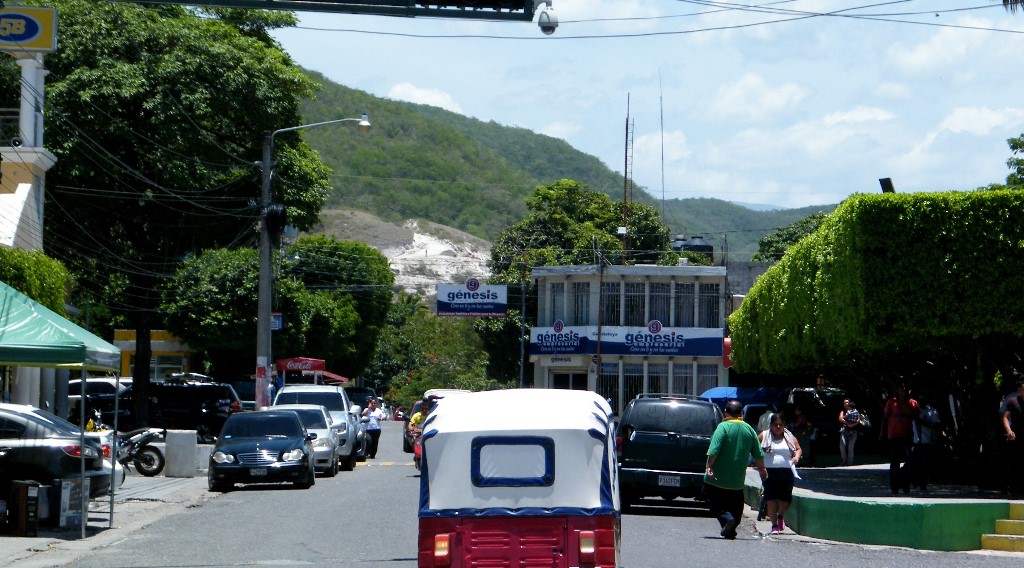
1006,543
1017,511
1010,527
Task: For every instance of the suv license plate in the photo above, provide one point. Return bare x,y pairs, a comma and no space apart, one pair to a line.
668,481
258,471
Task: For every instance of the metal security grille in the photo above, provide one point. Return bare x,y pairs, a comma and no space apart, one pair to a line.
710,315
682,379
257,458
581,303
661,302
608,383
636,304
707,377
657,377
633,374
611,308
684,305
557,301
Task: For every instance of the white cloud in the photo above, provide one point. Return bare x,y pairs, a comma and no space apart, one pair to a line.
890,90
433,97
980,121
944,48
562,130
858,115
751,97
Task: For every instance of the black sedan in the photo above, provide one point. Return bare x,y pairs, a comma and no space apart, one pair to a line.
262,447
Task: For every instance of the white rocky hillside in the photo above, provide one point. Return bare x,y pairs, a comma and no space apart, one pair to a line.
422,254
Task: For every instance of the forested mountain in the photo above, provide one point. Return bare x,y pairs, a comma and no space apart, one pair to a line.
429,163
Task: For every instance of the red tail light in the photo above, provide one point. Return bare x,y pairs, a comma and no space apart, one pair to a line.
618,446
106,451
235,406
73,451
442,550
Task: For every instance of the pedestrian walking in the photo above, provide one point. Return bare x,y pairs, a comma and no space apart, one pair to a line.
898,430
732,446
926,433
782,453
1013,426
373,416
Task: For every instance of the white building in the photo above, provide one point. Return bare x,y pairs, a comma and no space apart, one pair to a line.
654,329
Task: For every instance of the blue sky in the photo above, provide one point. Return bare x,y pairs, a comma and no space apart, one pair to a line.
766,102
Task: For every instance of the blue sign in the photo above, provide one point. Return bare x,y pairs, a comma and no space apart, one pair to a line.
472,299
615,340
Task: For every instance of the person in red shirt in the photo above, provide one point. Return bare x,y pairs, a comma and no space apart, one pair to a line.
898,429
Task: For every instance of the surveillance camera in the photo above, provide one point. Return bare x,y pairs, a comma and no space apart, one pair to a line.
16,142
548,21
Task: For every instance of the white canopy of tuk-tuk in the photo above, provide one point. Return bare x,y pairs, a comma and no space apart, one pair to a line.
519,452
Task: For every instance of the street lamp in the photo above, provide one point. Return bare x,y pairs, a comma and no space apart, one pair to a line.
263,352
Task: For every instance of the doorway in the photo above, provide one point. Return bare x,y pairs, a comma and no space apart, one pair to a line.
569,381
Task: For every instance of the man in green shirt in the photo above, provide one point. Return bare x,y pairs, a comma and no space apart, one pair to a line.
732,445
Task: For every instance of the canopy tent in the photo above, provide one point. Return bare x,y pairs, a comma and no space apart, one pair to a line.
32,335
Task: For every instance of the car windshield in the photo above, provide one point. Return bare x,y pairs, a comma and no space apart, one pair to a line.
671,417
329,400
258,425
312,418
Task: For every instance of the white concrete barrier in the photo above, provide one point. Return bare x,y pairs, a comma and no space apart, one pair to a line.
181,449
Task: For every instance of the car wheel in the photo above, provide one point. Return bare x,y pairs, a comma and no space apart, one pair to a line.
332,470
218,486
361,456
310,480
348,463
406,445
627,500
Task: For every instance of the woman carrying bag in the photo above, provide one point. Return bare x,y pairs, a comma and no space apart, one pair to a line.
781,454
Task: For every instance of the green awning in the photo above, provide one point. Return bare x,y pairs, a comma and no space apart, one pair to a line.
32,335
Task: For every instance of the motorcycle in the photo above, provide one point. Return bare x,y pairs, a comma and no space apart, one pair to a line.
134,448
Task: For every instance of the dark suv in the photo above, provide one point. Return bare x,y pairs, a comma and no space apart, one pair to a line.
193,405
662,444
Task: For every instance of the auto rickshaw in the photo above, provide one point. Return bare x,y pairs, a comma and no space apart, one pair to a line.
520,477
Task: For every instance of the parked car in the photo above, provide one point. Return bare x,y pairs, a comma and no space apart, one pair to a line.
104,438
316,420
662,444
100,395
192,405
262,447
344,415
34,449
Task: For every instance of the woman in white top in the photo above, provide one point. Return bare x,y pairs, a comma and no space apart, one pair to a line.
781,454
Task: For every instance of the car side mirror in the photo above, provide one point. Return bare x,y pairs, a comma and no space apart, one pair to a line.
365,419
355,409
311,436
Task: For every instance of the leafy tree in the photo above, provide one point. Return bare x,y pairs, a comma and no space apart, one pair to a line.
418,351
350,272
36,275
157,128
325,298
772,247
1012,5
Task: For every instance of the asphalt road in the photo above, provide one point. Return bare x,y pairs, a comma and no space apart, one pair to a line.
367,518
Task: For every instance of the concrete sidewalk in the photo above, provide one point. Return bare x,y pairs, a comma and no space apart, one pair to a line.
856,505
138,502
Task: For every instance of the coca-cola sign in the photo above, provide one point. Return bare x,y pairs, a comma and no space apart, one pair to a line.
300,364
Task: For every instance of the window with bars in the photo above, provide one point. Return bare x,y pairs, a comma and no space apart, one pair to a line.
682,379
657,377
608,382
709,305
661,302
557,301
707,377
581,303
611,308
636,304
684,305
633,381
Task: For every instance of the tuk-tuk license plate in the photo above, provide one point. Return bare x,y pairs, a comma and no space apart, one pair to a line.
258,471
669,481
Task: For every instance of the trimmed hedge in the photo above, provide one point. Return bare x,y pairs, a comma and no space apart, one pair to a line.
36,275
888,274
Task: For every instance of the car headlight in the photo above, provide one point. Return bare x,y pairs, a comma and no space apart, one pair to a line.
322,443
221,457
293,455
